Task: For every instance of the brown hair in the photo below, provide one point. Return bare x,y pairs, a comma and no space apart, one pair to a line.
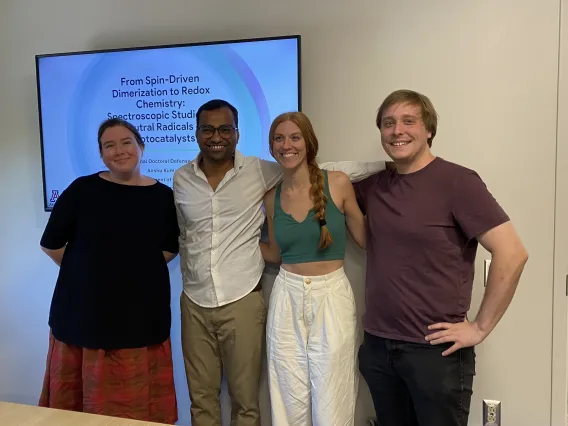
113,122
316,176
427,110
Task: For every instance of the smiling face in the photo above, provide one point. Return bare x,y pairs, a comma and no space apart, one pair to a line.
217,135
403,134
120,150
288,145
292,140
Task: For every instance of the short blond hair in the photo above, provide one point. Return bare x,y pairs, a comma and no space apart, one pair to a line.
428,113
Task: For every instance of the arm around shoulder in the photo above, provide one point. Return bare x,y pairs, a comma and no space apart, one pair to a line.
271,173
355,170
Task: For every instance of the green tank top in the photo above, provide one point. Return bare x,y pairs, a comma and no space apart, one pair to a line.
298,241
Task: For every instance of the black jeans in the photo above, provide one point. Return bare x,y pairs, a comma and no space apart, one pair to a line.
413,384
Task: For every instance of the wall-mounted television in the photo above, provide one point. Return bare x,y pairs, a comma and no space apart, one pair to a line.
158,89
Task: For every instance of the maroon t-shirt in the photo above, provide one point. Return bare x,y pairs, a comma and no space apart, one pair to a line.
421,246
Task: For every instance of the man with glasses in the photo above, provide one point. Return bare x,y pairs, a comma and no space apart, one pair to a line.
218,199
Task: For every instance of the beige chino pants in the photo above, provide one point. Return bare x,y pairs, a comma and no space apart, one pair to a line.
228,338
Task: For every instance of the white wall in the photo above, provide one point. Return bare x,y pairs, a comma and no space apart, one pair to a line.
490,68
560,355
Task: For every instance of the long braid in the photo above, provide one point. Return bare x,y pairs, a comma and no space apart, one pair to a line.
316,175
319,198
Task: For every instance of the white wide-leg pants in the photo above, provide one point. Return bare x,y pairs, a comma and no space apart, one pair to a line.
311,347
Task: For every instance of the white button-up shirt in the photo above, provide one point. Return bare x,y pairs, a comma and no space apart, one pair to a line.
220,256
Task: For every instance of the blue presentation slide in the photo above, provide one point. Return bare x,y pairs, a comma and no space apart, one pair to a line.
159,91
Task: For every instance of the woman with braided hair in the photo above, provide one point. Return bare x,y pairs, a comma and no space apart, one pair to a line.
312,318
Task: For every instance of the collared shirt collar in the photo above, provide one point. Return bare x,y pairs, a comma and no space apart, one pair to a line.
239,162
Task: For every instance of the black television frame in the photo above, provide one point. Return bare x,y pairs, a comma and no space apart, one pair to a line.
38,58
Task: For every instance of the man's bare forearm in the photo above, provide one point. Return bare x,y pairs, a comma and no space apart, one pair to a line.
504,274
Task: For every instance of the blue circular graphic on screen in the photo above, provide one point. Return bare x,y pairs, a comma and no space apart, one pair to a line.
220,73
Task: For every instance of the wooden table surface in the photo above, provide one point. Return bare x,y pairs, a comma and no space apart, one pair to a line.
27,415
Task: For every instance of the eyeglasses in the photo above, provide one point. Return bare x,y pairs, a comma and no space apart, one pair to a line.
225,131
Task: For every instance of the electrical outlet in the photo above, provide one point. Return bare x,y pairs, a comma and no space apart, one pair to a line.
486,264
491,412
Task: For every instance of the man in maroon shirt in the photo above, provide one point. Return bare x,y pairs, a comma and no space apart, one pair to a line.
424,222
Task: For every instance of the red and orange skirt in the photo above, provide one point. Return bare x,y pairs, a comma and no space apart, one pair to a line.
129,383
